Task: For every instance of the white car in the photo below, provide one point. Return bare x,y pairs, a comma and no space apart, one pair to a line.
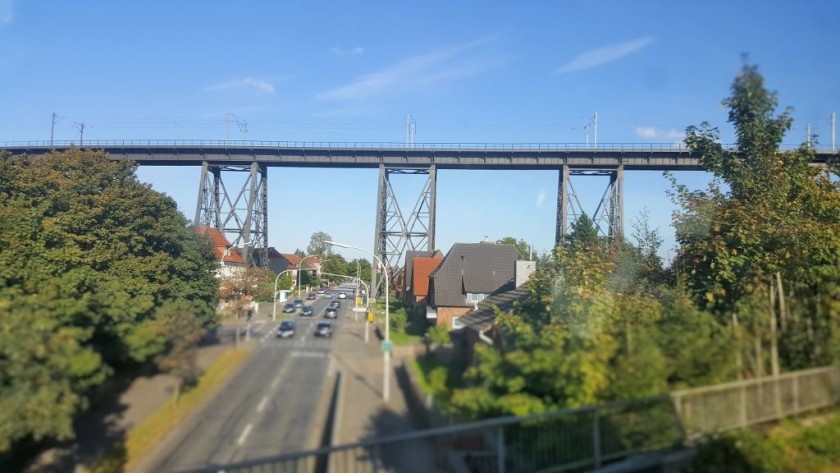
342,295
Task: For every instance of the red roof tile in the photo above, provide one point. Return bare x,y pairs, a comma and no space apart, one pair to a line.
220,245
423,267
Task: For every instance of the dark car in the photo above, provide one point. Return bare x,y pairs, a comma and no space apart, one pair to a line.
328,295
286,329
323,329
311,296
289,308
331,313
335,304
306,310
298,303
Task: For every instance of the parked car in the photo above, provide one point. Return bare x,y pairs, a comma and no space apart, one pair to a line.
306,310
298,303
324,329
331,313
311,296
286,329
289,308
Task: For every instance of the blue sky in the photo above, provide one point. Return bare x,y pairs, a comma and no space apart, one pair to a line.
474,71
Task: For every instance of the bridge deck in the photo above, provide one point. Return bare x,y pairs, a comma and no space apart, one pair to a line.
651,157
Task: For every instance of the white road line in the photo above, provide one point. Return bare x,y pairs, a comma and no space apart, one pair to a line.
244,435
262,404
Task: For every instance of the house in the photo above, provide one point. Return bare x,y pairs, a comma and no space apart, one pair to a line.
469,273
418,266
230,258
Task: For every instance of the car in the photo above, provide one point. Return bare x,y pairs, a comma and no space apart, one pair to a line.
335,304
298,303
342,295
323,329
289,308
311,296
306,310
321,291
331,313
328,295
286,329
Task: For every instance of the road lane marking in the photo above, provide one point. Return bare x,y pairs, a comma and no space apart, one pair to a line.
262,404
244,435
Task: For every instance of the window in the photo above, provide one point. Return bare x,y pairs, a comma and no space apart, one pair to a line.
456,323
475,298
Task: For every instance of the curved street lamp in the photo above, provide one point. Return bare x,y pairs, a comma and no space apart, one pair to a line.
299,266
276,280
386,352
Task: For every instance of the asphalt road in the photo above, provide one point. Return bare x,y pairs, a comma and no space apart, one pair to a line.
269,407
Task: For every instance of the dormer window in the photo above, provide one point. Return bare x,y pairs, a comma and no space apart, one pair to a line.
475,298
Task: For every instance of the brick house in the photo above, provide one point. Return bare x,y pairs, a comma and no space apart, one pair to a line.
467,275
229,258
418,266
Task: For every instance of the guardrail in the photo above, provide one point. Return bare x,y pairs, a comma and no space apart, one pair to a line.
665,147
744,403
572,439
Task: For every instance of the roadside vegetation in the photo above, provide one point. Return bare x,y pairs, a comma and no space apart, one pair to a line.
100,276
754,289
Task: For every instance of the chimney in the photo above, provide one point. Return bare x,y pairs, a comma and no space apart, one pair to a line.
523,271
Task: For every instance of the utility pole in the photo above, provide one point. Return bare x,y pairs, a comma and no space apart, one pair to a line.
833,121
243,127
809,135
228,119
81,128
595,119
52,129
410,130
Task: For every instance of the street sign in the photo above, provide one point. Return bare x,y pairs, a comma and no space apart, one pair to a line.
358,300
370,316
387,346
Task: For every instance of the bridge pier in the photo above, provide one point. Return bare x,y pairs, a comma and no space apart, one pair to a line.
609,214
394,233
242,217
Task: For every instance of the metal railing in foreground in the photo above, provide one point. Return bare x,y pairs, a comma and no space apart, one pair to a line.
579,439
567,439
744,403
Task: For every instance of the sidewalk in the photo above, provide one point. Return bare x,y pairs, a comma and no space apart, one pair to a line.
362,413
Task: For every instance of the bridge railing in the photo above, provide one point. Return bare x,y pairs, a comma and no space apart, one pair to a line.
572,439
255,144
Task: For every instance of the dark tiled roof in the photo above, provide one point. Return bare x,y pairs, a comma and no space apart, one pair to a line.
484,316
471,267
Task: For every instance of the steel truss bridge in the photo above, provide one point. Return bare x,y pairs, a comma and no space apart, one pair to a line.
243,213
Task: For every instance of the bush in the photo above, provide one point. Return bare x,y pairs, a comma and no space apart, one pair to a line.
438,334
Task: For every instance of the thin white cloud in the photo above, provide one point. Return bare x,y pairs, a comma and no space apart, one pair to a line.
646,131
413,73
651,132
541,198
339,52
7,12
596,57
261,86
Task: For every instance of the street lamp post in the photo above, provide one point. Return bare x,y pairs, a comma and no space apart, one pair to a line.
276,280
386,351
300,265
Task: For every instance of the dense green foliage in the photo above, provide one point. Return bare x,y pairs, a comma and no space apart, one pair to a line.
760,248
754,289
788,448
88,258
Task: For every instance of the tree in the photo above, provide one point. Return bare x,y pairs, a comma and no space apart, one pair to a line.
95,252
317,245
182,332
521,245
768,222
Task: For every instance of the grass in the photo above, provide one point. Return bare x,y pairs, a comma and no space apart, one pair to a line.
145,436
